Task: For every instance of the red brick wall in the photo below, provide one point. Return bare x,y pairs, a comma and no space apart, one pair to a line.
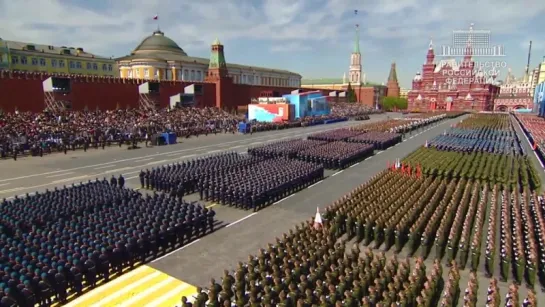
366,95
25,92
21,94
102,94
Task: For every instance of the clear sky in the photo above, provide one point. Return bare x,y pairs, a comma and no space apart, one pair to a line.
311,37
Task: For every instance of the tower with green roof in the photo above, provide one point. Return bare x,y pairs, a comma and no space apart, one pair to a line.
355,73
218,73
217,67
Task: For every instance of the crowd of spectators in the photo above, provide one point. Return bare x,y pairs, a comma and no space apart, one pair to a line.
43,133
352,110
39,133
534,127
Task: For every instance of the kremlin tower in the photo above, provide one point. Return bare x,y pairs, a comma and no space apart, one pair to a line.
393,84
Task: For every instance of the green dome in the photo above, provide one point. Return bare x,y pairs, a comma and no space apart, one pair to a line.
158,42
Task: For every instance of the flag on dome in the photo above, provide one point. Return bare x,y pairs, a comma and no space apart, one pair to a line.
318,219
155,17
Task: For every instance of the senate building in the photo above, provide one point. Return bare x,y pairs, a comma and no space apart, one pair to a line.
159,57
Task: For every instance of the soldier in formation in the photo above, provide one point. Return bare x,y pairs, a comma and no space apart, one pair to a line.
51,246
308,267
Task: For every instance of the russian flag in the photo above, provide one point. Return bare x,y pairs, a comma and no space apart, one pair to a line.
155,17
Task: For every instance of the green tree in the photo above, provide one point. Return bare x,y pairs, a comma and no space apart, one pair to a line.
402,103
351,94
394,103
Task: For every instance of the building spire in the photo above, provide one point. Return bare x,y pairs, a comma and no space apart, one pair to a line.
393,73
357,41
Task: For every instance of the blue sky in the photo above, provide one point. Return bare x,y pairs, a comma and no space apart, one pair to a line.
311,37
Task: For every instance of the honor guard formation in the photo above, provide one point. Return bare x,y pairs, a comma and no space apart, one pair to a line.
458,222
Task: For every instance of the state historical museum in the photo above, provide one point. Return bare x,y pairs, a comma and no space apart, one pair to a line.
449,86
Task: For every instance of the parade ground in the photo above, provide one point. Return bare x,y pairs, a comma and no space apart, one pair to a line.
163,281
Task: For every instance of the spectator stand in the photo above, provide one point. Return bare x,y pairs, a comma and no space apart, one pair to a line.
25,133
534,131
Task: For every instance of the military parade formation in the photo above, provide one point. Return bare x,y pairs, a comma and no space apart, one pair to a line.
484,135
255,186
448,207
380,140
59,242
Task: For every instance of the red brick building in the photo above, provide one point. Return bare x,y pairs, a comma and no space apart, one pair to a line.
448,85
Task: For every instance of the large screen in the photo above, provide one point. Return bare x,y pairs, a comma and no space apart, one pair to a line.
61,84
187,100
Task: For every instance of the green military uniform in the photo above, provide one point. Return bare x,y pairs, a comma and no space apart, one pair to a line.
489,263
399,240
475,255
519,269
368,232
531,268
505,268
462,258
360,229
350,226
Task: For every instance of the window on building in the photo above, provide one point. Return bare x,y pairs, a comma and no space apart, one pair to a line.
137,72
130,72
89,66
146,73
186,75
104,67
34,61
95,66
24,60
61,63
78,65
199,75
179,74
14,59
157,74
110,68
53,62
42,62
192,75
169,74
